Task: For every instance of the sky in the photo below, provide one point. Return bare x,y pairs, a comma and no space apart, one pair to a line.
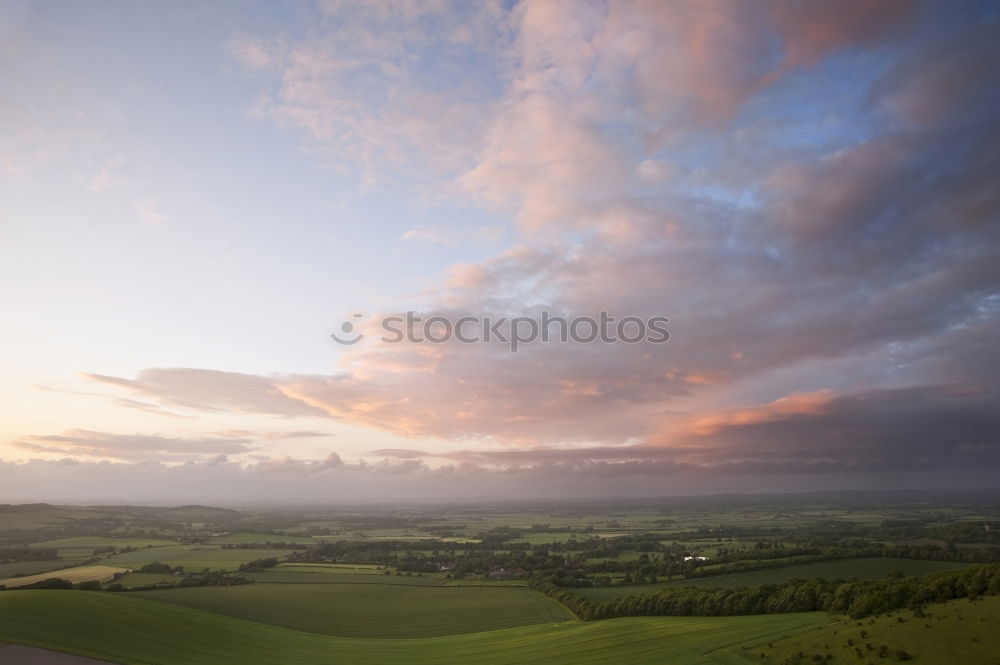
195,196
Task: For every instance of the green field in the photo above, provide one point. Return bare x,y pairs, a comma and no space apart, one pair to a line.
346,573
32,567
194,558
348,568
145,579
370,610
93,542
865,569
124,628
12,518
242,538
960,631
544,538
317,575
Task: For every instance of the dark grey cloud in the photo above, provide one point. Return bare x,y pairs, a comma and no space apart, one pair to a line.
951,428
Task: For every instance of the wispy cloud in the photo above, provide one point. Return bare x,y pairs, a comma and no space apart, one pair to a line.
486,235
213,390
133,447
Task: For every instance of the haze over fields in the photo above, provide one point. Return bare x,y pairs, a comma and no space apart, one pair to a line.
196,196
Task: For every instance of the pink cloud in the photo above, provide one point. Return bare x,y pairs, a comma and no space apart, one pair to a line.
134,447
815,403
811,30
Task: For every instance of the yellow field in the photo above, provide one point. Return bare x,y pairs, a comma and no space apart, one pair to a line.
74,575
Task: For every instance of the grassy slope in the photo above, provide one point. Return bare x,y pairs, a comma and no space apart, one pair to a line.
354,610
125,629
959,631
864,569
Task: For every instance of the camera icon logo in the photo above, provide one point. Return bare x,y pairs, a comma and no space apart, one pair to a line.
347,328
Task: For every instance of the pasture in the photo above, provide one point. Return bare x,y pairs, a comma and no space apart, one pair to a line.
156,633
370,610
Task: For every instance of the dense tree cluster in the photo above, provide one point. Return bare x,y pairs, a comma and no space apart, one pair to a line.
258,565
160,568
968,532
266,545
923,552
204,578
12,554
49,583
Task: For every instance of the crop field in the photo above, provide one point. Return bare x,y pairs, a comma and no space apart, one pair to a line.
384,610
93,542
146,555
193,558
290,575
457,540
542,538
379,534
871,568
155,633
17,568
244,538
959,631
144,579
13,517
75,575
351,568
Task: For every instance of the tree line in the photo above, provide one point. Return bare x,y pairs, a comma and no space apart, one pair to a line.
854,598
12,554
